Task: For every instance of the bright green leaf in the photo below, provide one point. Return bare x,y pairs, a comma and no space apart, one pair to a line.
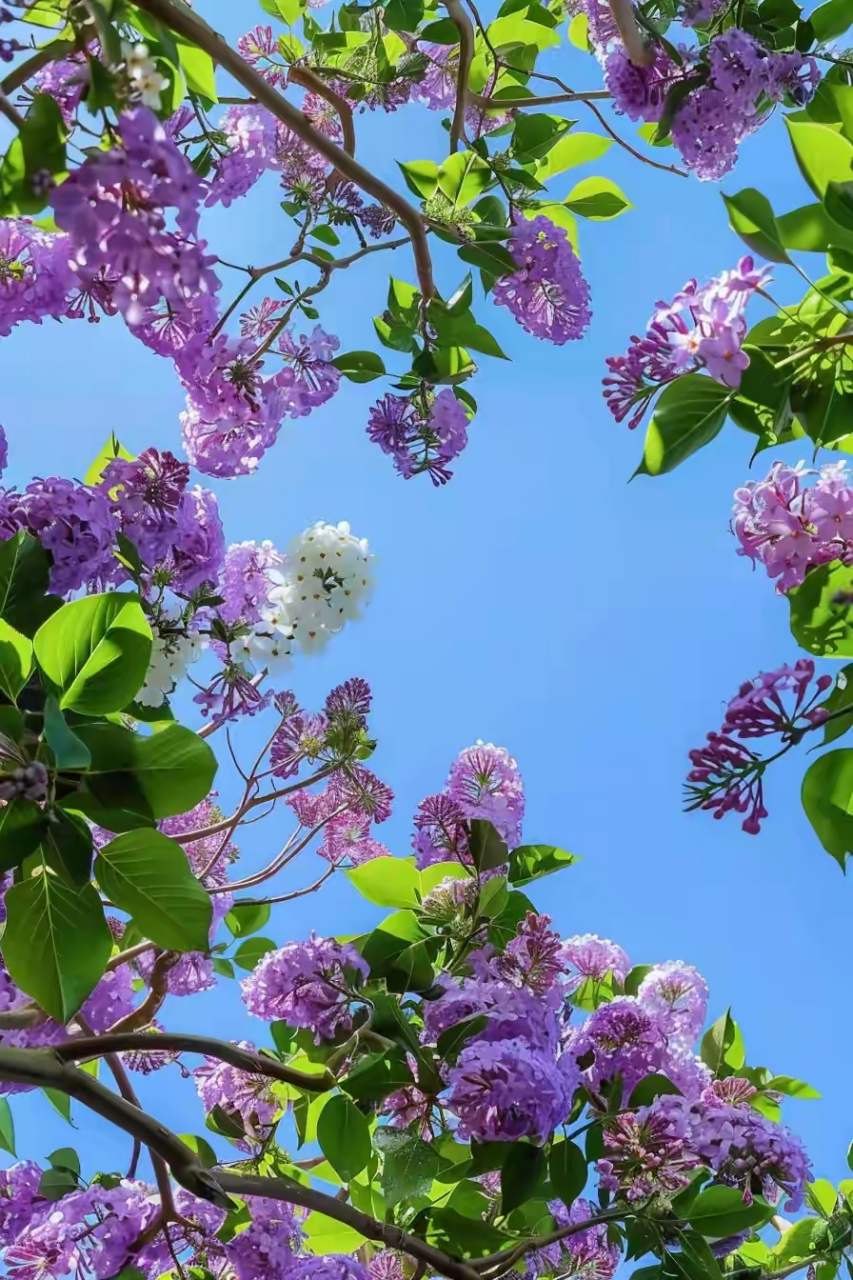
689,413
148,875
388,882
344,1136
95,652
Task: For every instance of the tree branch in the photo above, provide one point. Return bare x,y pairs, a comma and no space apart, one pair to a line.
130,1041
547,100
41,1067
394,1237
497,1263
11,113
635,46
465,27
182,20
187,837
316,84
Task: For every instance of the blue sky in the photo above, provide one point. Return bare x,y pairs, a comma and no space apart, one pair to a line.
540,601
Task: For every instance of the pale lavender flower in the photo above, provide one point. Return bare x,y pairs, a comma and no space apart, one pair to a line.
511,1013
532,958
266,1249
308,984
317,379
484,782
238,1092
594,957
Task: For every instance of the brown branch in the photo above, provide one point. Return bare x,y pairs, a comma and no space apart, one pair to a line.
130,954
465,27
11,113
310,80
112,1042
497,1263
185,23
394,1237
145,1013
188,837
635,46
289,897
29,1015
638,155
41,1067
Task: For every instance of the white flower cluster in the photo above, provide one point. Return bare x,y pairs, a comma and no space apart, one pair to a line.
171,655
325,578
145,79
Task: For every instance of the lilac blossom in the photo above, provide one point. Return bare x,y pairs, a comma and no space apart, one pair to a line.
619,1038
259,47
349,702
484,782
329,1266
437,88
789,525
441,833
727,776
35,275
317,379
639,92
112,999
309,984
702,328
65,81
594,958
198,550
248,575
238,1092
386,1265
676,995
251,134
533,958
148,492
645,1156
347,838
114,209
511,1013
548,294
420,438
75,523
504,1090
259,321
266,1249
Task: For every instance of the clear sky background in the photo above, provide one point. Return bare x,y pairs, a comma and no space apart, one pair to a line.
594,627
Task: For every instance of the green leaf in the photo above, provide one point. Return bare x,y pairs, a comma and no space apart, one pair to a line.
378,1075
56,1183
817,623
198,70
247,917
689,413
521,1172
822,154
838,203
650,1087
404,15
344,1136
67,847
568,1170
635,977
16,660
463,177
24,579
791,1087
147,875
57,942
827,797
421,176
570,151
65,1158
38,147
720,1211
360,366
598,199
95,652
7,1127
694,1261
389,882
322,1235
751,217
810,229
503,927
793,1246
22,826
535,134
250,952
112,449
515,29
531,861
485,846
832,19
491,258
153,777
409,1167
202,1149
464,1237
68,751
722,1046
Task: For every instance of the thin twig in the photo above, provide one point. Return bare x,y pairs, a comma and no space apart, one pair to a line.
547,100
316,84
635,46
188,837
182,20
11,113
289,897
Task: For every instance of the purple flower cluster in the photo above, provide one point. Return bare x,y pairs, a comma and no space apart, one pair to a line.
593,958
308,984
35,275
502,1090
639,92
788,525
259,47
654,1149
728,777
113,208
703,327
251,135
533,958
420,438
587,1254
484,782
548,294
266,1249
74,522
438,87
238,1093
